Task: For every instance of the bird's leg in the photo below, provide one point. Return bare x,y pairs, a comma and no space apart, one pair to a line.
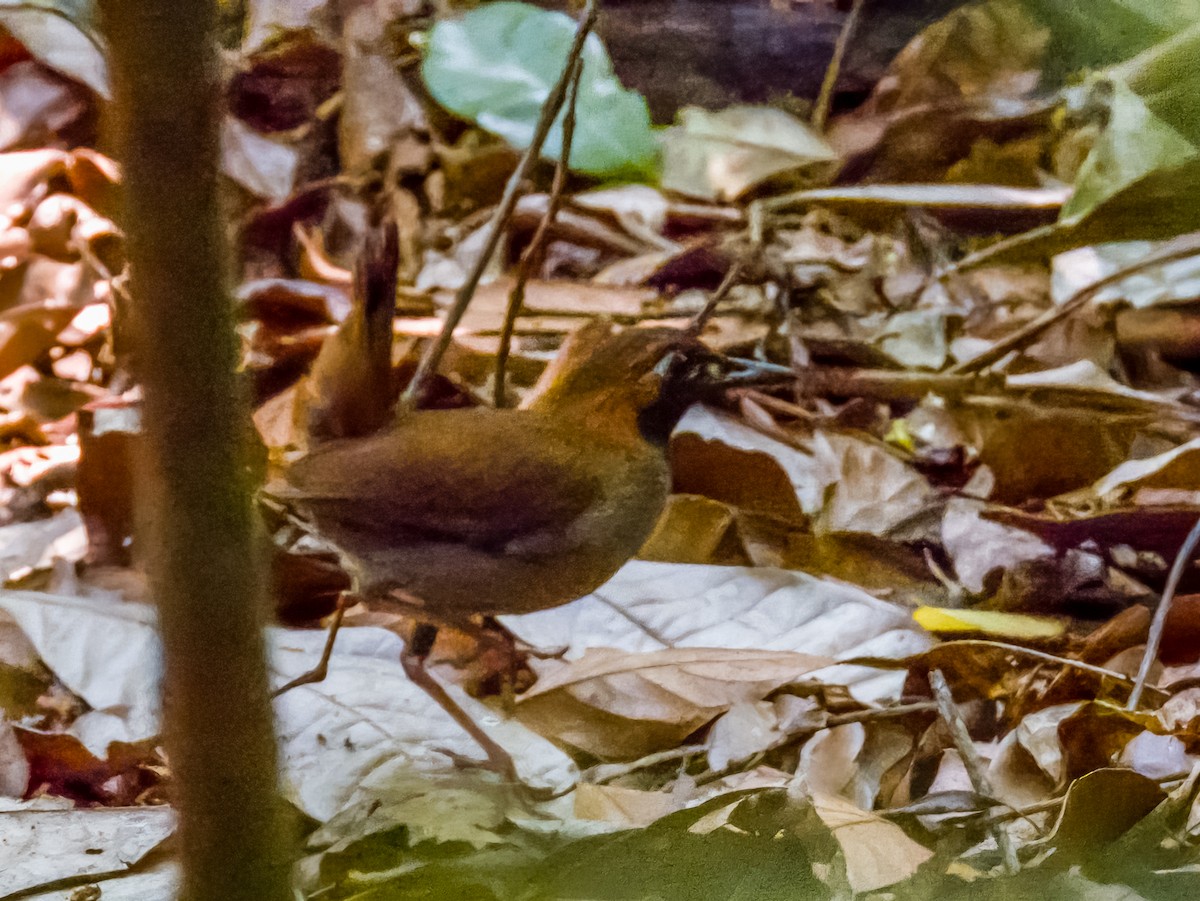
321,670
413,660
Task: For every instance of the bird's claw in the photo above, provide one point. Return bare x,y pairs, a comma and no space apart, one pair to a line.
317,674
502,765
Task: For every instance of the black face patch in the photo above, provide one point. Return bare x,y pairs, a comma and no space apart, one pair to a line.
683,378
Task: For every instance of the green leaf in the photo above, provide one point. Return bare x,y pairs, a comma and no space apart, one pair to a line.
1100,32
1135,144
496,65
1166,77
722,155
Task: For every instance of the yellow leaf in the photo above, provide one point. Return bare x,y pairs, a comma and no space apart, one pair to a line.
990,622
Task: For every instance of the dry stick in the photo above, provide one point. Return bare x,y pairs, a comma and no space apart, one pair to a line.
1178,249
825,97
196,530
1182,559
1003,246
972,762
701,319
609,772
883,384
533,253
503,213
858,716
1067,662
1167,784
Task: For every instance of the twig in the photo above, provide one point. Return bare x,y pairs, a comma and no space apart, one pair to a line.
1179,249
879,713
886,384
1158,624
503,212
825,97
701,319
1001,248
1048,658
609,772
778,405
533,254
972,762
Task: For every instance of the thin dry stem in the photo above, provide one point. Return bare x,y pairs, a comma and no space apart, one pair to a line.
502,214
972,762
1159,623
534,254
825,97
710,306
1179,249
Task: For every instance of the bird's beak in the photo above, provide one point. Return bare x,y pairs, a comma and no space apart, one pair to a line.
756,372
721,372
707,373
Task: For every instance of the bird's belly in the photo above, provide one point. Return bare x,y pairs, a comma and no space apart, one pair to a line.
454,582
537,571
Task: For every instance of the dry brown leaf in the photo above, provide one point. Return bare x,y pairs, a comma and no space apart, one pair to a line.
1076,445
715,456
1095,734
978,546
616,705
891,569
24,176
26,332
693,529
869,488
851,761
849,484
37,105
877,852
265,168
626,808
267,20
746,729
649,606
28,546
1176,470
45,847
1099,808
1157,757
961,80
721,155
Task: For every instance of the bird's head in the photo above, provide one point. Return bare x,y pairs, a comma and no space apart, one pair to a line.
650,374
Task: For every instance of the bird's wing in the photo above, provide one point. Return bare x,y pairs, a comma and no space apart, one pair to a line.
480,478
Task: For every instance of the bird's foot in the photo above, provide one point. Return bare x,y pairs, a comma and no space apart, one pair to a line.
499,762
314,675
321,670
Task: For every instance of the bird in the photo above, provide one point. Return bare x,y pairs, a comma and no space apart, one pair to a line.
449,515
452,514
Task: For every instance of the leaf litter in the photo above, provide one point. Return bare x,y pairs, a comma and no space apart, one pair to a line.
963,479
